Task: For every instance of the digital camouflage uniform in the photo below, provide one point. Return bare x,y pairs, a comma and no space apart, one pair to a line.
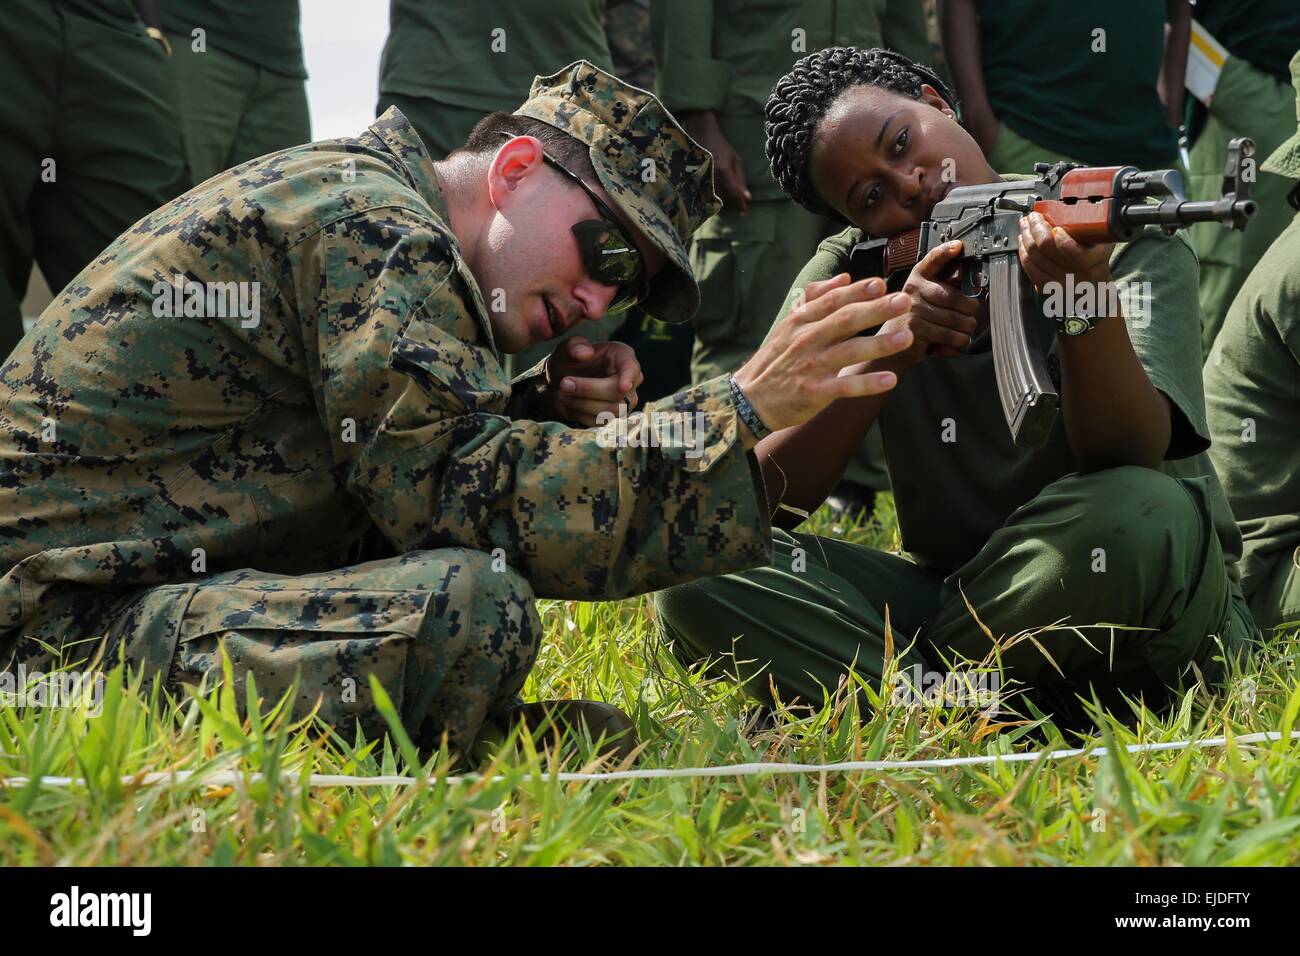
726,56
1018,533
169,485
91,139
447,63
243,85
1252,395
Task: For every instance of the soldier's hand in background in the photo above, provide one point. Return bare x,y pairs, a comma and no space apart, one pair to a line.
729,168
586,379
796,372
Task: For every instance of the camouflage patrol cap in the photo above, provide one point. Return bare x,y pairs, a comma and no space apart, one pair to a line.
1285,160
667,198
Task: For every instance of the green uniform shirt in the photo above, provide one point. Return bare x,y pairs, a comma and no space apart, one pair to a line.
726,56
1046,83
366,393
1252,391
952,495
265,32
105,11
1264,33
483,54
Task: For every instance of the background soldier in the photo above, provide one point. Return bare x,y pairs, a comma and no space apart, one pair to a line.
91,139
239,74
1252,397
1252,98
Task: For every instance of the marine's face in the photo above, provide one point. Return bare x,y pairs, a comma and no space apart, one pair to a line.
530,269
882,160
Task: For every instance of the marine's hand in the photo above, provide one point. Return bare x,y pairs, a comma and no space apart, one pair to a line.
587,379
796,372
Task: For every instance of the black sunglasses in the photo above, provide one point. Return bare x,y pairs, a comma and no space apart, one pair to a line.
608,253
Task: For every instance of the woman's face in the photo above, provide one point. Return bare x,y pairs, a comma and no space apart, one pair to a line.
882,160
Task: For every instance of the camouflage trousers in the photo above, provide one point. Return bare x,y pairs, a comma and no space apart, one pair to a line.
449,638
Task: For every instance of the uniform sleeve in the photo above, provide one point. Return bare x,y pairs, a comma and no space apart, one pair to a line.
689,77
640,504
1156,276
1247,98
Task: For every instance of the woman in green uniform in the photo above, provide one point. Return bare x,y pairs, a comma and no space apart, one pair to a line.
1103,561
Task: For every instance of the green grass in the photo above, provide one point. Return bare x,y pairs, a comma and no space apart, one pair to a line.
1236,805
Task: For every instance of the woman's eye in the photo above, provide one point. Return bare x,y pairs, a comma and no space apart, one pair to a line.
900,144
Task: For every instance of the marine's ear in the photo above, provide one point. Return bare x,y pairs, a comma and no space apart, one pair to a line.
518,158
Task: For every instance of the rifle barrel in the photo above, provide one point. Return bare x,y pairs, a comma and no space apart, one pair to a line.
1181,213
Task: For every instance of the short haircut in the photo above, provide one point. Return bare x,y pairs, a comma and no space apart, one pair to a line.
490,132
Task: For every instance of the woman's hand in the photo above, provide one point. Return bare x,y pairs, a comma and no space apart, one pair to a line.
940,318
1049,253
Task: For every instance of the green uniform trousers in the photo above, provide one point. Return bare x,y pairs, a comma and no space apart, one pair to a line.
233,110
1275,600
1247,102
444,127
91,143
451,634
820,605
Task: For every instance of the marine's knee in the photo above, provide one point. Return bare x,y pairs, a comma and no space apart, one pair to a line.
502,597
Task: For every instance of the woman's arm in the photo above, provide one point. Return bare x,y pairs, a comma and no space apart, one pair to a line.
1113,414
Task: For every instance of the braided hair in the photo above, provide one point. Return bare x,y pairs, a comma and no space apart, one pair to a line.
802,97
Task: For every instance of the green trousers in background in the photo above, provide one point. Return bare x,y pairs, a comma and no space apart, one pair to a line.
745,266
821,604
233,110
442,128
1276,600
1247,102
91,143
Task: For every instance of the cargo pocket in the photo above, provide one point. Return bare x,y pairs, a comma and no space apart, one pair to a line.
329,636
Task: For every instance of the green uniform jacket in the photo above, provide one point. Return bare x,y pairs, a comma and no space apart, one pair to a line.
366,392
726,55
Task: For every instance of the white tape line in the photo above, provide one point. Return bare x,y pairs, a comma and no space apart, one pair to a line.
226,778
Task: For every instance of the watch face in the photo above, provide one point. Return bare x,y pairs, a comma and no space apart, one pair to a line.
1074,325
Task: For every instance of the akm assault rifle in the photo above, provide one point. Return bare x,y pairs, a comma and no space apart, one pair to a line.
1091,203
